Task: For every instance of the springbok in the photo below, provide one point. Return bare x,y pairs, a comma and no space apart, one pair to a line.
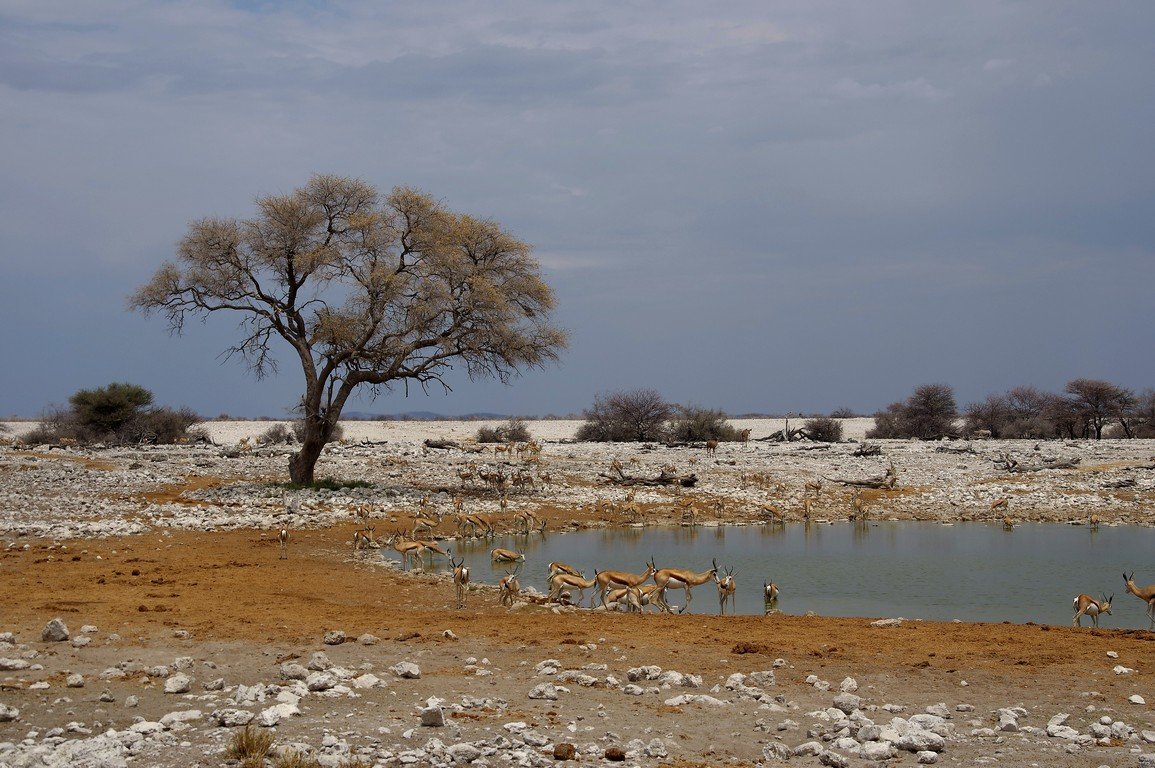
283,541
679,578
560,581
500,555
408,549
460,579
510,588
770,593
1002,504
608,579
726,591
649,594
1085,605
1146,594
711,447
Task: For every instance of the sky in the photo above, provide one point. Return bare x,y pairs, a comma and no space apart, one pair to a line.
758,207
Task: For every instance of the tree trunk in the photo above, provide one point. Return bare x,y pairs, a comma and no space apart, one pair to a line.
304,462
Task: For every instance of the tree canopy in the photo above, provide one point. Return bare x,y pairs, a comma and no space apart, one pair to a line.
366,290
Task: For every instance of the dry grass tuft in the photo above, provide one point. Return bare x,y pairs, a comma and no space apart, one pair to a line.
250,745
291,758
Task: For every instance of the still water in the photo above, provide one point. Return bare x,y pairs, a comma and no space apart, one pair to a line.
967,571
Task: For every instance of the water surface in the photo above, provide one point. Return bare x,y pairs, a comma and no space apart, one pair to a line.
967,571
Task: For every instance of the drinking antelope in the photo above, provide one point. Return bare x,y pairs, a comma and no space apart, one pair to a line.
1146,594
770,593
1085,605
606,579
727,588
680,578
460,579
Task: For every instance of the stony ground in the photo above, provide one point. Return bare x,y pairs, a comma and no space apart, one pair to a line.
163,566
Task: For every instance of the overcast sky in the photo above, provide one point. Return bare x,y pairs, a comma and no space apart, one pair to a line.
760,207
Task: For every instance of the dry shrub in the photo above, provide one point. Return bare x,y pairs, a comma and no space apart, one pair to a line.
513,431
250,745
278,433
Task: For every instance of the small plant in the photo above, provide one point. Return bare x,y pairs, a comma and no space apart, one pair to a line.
299,432
250,745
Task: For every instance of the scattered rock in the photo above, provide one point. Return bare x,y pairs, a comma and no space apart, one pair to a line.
334,637
178,683
406,669
615,754
565,751
54,631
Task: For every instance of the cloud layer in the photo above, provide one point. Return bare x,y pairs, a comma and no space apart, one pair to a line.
758,207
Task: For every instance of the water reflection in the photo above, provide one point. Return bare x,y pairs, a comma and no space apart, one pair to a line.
969,571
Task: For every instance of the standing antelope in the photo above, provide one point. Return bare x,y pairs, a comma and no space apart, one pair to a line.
1002,504
363,537
1085,605
679,578
560,581
726,591
711,447
408,549
283,541
1146,594
460,579
744,436
606,579
528,520
510,588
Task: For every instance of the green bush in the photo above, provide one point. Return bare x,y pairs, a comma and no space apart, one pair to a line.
693,423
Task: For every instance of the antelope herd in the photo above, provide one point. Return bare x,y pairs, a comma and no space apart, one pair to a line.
616,589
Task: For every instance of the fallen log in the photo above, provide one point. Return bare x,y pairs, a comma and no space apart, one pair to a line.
951,449
442,444
888,480
1012,465
664,479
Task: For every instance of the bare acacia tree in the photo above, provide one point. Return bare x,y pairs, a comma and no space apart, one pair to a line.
1097,402
637,415
365,291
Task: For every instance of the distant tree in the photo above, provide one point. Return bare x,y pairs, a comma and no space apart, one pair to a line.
843,413
106,409
1142,415
636,416
824,429
365,291
992,414
929,413
1031,414
692,422
1097,402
